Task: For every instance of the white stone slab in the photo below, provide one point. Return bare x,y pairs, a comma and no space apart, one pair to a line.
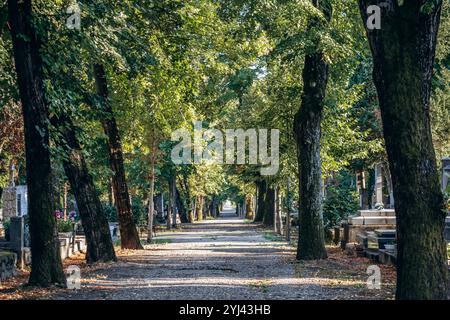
377,213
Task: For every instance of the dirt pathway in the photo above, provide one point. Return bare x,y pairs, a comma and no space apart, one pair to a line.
224,259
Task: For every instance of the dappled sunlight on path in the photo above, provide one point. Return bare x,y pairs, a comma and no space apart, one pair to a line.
226,258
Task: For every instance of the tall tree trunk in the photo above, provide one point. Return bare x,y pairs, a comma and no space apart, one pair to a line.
249,212
205,208
110,193
129,237
269,207
307,127
65,194
194,210
278,219
199,209
190,210
403,53
151,193
181,207
262,190
169,209
214,207
151,200
46,265
95,224
172,187
191,214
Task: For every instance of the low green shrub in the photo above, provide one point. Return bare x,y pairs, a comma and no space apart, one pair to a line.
64,226
139,212
341,201
110,212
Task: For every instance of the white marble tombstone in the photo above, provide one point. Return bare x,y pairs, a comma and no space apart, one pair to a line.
378,184
22,201
361,188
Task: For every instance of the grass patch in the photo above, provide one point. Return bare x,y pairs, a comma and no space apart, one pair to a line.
262,285
161,241
272,237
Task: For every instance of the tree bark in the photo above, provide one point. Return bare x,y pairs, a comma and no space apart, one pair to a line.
307,127
151,193
262,190
249,214
95,224
169,209
403,53
191,213
46,265
151,203
269,207
110,193
199,208
279,213
129,237
65,194
188,200
213,207
173,203
181,207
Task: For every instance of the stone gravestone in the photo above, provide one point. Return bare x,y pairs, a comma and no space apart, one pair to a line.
361,189
22,201
378,185
9,203
17,236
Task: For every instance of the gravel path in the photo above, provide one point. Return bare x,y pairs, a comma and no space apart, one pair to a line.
223,259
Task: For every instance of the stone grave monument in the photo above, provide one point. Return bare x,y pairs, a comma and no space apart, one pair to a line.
9,203
22,201
382,181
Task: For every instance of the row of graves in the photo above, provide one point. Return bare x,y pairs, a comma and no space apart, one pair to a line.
15,245
372,232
